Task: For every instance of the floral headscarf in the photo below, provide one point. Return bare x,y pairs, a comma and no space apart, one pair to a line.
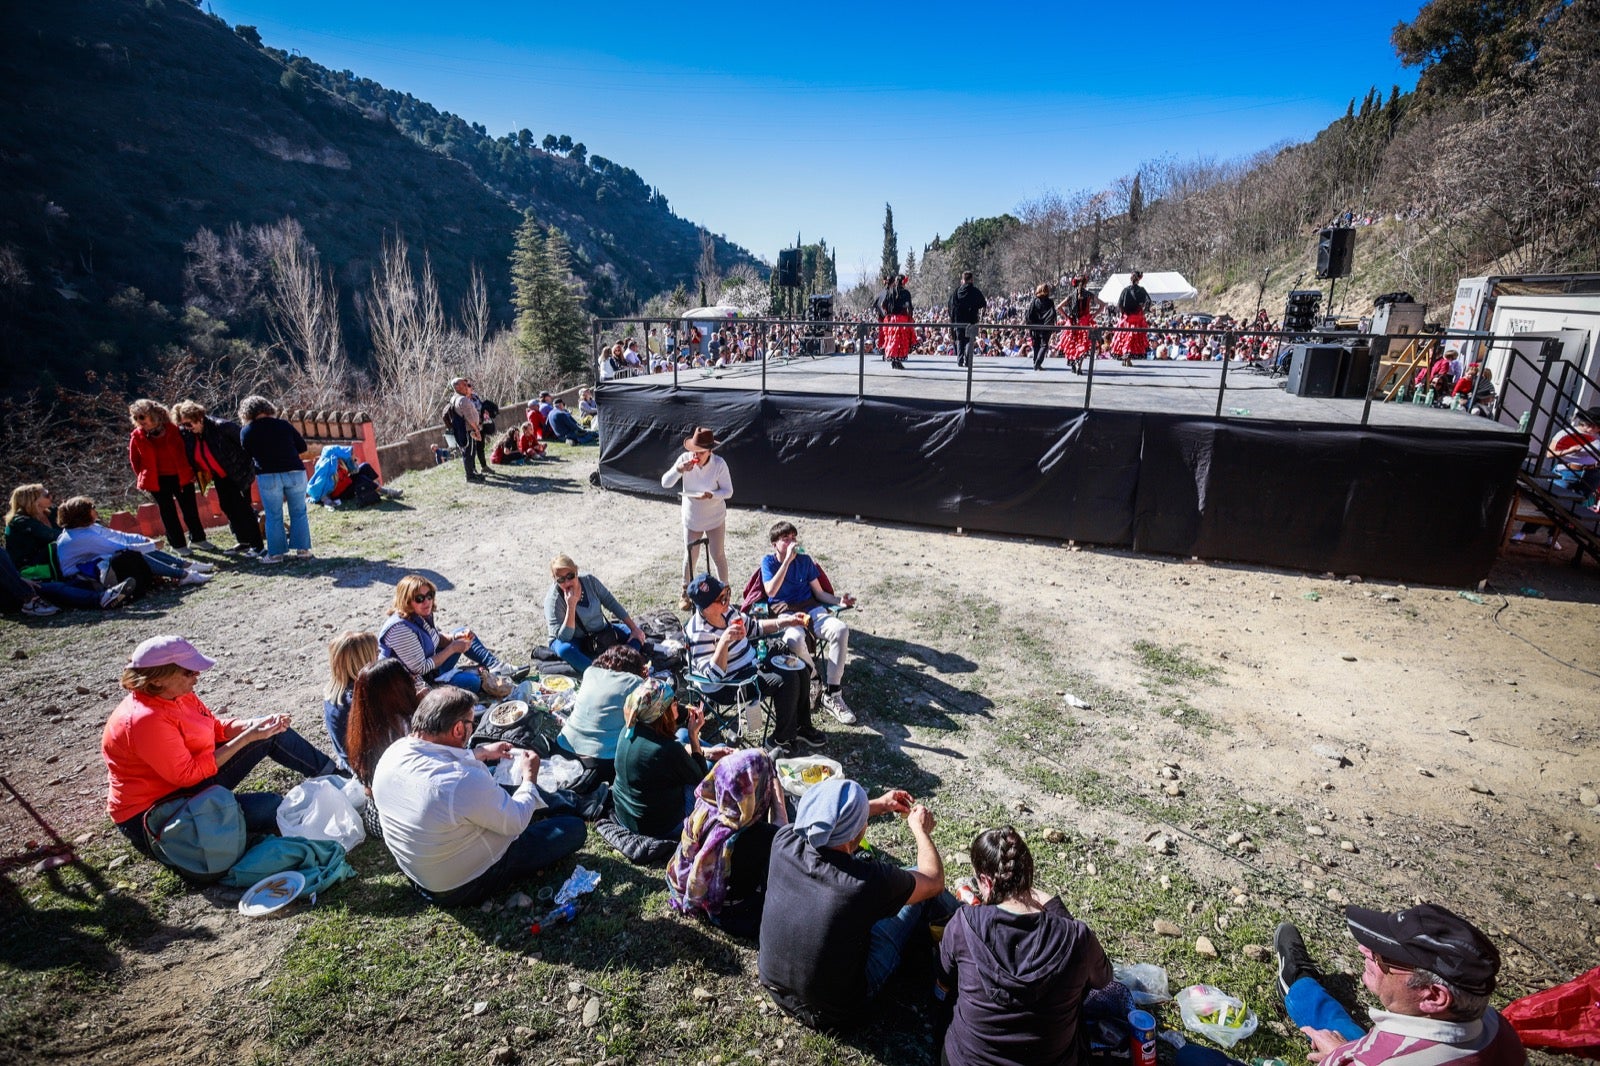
735,795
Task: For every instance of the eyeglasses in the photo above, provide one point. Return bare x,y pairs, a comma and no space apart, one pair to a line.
562,579
423,597
1384,965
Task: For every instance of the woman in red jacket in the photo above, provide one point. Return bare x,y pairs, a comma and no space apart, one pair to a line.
159,460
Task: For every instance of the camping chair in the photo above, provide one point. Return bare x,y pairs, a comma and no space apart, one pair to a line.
758,604
742,715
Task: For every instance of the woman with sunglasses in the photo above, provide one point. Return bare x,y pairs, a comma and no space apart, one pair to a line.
162,739
411,635
575,613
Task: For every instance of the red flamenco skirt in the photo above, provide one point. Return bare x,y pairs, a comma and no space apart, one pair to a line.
897,341
1075,343
1124,342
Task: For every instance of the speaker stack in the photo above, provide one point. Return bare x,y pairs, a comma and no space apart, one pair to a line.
789,268
1300,313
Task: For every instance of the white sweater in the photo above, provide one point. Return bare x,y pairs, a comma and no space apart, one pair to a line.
713,477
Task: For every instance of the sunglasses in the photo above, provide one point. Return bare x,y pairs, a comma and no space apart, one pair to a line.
423,597
562,579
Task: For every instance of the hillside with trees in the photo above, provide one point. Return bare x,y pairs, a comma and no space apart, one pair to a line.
141,133
1489,166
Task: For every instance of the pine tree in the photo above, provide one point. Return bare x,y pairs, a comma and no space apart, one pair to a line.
1135,203
565,327
891,244
527,263
911,262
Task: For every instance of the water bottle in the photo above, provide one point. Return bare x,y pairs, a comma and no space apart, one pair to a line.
568,911
1142,1045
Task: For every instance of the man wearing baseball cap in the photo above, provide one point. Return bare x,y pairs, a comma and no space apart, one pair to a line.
1430,969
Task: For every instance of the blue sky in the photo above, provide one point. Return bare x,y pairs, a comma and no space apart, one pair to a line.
763,121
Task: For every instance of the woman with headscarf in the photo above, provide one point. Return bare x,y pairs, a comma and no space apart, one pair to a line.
655,772
720,868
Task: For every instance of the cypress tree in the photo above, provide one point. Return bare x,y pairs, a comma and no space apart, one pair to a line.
891,244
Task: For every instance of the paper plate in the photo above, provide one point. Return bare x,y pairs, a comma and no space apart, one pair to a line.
508,713
791,663
557,683
272,894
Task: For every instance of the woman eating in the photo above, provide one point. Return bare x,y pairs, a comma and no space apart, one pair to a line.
591,730
1019,965
720,868
575,614
411,635
162,738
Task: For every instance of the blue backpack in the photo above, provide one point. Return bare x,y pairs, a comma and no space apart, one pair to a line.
200,835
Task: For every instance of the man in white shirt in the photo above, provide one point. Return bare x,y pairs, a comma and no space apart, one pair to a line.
454,832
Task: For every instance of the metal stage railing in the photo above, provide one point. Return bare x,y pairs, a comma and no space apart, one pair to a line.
1394,364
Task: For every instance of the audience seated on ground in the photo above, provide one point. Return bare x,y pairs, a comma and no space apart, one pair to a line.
456,834
719,870
598,714
161,738
31,577
656,773
381,705
564,427
347,654
835,923
575,615
588,410
88,551
508,447
411,635
1015,970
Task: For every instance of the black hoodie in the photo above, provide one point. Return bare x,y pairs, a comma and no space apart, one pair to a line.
1019,981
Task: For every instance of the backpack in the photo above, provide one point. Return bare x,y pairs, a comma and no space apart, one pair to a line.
199,834
127,564
454,425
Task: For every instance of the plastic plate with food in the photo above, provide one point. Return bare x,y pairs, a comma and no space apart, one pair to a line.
508,713
272,893
557,683
788,663
799,774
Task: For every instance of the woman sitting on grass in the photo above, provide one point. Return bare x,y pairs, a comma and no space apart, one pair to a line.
86,549
1019,966
30,533
720,868
411,635
591,730
162,738
347,654
382,701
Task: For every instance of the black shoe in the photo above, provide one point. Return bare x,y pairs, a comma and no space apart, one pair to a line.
1294,961
812,737
475,478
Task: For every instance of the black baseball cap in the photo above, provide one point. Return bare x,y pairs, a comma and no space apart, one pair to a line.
704,590
1429,937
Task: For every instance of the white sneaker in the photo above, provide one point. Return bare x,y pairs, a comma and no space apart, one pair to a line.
391,494
193,577
113,596
202,568
39,608
269,559
834,704
302,553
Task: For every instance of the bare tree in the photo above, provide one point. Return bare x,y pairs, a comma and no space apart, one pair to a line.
303,316
476,321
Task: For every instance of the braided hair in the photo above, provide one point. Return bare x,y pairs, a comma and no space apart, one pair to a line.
1003,856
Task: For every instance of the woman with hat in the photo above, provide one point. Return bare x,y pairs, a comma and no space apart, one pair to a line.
1041,312
162,739
707,485
1078,308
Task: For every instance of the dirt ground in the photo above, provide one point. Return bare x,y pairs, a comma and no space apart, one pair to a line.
1376,742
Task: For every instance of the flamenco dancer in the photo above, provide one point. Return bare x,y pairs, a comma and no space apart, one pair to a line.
1078,309
895,307
1130,339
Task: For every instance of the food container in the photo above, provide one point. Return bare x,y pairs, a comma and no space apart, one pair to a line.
799,774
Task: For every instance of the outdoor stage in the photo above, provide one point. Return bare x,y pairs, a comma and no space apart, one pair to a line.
1417,494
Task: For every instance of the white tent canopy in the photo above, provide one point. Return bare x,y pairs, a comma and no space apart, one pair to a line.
1162,285
715,311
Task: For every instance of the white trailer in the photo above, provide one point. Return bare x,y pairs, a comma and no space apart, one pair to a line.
1574,322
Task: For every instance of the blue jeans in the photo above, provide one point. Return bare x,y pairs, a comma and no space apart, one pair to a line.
889,938
288,749
467,678
574,657
164,565
65,594
544,843
277,491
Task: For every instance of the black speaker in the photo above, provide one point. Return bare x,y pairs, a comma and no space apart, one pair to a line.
820,308
1314,370
1357,369
789,268
1336,252
1300,312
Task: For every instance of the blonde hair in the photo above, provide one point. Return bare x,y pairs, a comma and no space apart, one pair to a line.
149,680
347,654
23,497
149,408
187,411
406,588
563,562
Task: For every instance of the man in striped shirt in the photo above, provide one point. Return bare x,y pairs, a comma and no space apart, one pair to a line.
719,649
1431,970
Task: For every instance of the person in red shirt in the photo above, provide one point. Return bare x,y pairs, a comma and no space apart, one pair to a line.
161,465
162,739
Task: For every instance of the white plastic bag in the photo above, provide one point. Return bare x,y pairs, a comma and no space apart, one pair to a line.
1213,1013
318,809
1146,980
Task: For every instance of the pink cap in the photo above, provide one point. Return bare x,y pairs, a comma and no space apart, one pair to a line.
170,650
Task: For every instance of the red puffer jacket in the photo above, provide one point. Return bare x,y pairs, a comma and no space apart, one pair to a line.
151,457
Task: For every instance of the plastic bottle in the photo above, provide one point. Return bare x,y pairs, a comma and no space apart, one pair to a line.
1142,1045
564,913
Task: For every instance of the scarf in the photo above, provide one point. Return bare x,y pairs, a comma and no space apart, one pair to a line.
832,813
735,795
